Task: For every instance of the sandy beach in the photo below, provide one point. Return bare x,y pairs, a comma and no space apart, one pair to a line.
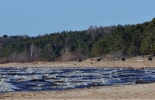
137,62
138,91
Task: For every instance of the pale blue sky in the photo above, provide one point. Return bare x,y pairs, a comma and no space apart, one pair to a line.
36,17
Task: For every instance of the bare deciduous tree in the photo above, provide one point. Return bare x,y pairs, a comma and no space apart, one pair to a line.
33,52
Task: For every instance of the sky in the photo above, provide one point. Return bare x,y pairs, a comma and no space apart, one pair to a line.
39,17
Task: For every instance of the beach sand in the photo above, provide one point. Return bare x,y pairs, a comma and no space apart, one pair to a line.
138,91
136,62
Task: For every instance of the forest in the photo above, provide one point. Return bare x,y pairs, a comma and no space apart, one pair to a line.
112,41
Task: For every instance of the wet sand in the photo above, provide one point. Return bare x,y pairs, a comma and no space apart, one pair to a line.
139,91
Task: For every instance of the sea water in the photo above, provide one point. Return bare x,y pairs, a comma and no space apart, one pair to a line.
55,79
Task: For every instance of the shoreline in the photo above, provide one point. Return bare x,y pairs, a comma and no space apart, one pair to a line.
135,91
105,64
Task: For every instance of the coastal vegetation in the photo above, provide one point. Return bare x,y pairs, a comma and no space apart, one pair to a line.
112,41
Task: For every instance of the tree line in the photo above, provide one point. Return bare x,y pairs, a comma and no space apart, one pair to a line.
116,41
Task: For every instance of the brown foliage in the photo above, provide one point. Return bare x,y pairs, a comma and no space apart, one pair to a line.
22,57
4,60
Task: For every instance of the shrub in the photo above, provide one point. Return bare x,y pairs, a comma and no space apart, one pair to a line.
4,60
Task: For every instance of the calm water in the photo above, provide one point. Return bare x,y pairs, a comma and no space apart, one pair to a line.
54,79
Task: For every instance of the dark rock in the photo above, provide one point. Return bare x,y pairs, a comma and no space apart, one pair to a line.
80,60
150,59
139,82
143,82
123,59
98,59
